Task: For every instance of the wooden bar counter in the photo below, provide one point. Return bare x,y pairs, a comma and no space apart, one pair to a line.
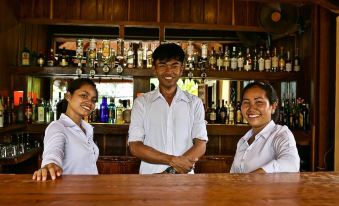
200,189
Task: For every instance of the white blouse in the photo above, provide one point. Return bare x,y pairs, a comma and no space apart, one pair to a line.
274,150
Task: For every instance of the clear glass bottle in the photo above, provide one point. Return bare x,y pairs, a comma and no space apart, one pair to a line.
234,60
130,57
296,65
288,62
227,60
140,53
149,60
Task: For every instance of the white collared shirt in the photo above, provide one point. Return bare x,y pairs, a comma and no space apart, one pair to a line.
274,150
167,128
66,145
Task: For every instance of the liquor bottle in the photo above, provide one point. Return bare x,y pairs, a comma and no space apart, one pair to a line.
227,105
105,50
20,111
140,63
234,60
79,52
1,114
268,61
240,60
213,115
288,63
248,60
9,113
261,59
41,59
217,112
212,61
190,57
111,111
204,50
282,61
275,60
91,52
119,119
63,59
25,57
231,114
223,113
51,58
255,66
127,111
130,57
296,66
41,111
238,112
149,59
220,59
28,111
281,113
227,60
104,110
49,112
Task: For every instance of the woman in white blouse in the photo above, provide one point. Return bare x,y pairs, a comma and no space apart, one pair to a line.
267,147
68,141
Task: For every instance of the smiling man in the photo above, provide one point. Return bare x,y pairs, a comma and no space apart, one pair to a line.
167,130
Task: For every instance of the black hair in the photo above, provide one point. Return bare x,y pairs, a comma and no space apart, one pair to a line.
72,87
167,52
270,93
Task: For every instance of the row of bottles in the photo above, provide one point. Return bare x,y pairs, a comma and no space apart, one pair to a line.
41,112
294,113
224,113
236,58
111,113
107,54
99,53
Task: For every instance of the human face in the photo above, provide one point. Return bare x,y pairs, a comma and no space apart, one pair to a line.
168,73
82,101
256,108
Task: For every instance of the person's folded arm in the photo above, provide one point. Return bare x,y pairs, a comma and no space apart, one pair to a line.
287,157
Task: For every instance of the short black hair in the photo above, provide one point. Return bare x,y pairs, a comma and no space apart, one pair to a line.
167,52
270,93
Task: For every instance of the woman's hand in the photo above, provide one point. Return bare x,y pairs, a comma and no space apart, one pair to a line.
53,169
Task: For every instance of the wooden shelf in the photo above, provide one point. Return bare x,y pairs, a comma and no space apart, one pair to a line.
20,158
211,74
12,128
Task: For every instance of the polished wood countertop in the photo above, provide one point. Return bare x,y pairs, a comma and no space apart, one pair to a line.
200,189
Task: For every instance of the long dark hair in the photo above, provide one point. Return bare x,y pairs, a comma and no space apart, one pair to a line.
72,87
270,93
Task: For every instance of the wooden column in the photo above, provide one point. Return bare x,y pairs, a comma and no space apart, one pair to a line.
336,149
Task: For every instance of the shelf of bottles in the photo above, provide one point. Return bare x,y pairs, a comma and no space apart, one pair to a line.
106,57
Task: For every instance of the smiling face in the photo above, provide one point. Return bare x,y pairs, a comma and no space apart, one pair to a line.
168,73
256,108
82,102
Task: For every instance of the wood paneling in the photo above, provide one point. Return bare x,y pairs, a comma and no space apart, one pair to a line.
41,8
181,11
167,11
120,10
197,11
144,10
225,12
211,12
88,10
241,12
9,34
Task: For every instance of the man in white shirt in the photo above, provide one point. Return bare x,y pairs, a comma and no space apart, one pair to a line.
167,130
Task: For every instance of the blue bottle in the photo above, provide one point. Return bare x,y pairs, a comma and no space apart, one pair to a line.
104,110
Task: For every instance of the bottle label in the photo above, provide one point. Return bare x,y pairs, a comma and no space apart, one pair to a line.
234,63
288,67
268,64
296,68
261,64
275,62
25,59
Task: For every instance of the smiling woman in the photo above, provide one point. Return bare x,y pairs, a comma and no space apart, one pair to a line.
68,141
267,147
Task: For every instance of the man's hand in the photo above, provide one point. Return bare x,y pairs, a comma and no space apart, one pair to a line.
53,169
183,164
